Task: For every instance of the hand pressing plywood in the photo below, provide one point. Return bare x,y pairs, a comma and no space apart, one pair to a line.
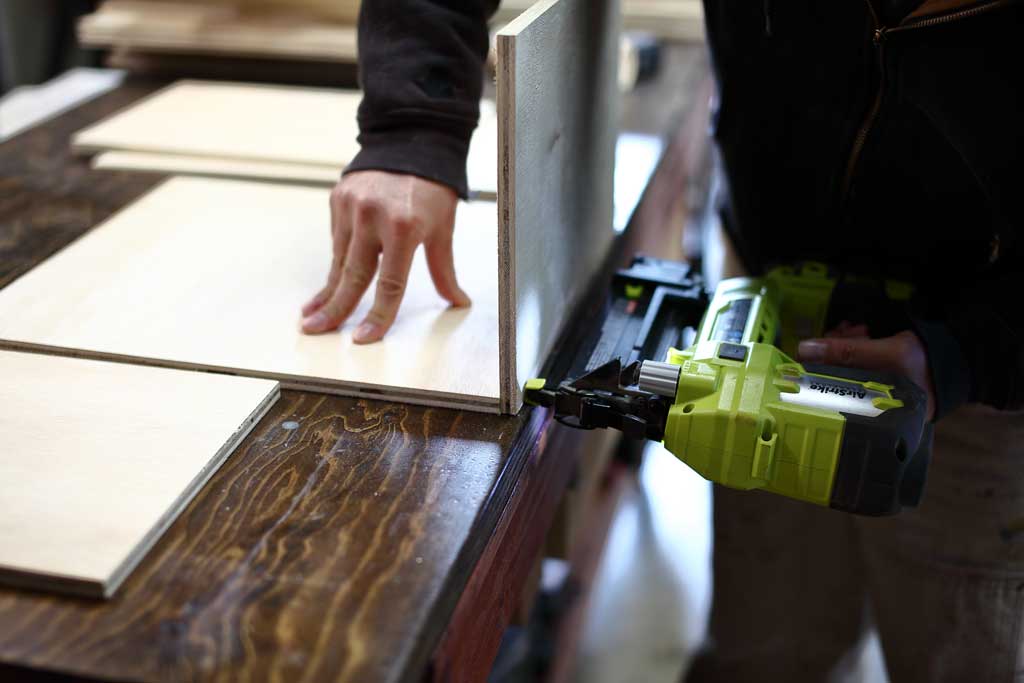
235,123
97,460
212,274
557,125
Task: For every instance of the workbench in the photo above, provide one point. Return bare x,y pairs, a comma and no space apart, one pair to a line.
344,540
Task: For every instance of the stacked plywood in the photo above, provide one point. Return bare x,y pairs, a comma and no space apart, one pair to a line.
237,130
319,30
306,29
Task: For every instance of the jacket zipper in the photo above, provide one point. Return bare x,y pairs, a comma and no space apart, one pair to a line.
880,34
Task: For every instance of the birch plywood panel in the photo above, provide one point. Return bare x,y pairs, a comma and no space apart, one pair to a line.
238,122
99,458
557,104
235,120
211,274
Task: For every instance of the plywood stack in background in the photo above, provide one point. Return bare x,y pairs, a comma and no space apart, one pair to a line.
318,30
245,130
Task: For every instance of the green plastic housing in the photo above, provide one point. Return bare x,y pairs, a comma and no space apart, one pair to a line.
730,422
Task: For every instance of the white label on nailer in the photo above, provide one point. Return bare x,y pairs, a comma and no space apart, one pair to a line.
829,393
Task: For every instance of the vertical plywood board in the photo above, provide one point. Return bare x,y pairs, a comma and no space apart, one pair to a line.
212,274
97,459
557,109
236,123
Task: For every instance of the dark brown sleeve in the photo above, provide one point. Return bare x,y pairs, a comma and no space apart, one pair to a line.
421,70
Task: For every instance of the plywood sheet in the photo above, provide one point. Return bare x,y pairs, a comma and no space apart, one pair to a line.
282,30
212,274
558,118
238,122
97,460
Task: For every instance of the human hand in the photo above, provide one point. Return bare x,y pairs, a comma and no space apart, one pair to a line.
380,216
849,346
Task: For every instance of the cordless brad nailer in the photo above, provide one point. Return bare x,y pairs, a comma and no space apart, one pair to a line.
729,402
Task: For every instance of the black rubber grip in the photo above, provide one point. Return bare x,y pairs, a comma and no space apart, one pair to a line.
883,460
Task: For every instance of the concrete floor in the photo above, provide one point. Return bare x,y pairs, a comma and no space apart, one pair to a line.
653,588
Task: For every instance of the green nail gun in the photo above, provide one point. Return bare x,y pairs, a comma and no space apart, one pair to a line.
730,403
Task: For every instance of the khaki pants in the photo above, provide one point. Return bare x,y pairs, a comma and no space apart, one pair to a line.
795,586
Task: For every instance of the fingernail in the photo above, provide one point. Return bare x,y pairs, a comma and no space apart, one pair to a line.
314,323
463,301
366,332
812,351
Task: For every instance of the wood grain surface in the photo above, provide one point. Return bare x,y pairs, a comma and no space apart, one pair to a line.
212,274
89,482
558,103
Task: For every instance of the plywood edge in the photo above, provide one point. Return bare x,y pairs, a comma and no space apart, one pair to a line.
482,195
51,583
88,149
511,398
433,399
527,17
219,167
343,50
312,175
84,149
191,491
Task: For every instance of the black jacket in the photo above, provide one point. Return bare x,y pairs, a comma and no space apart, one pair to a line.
881,136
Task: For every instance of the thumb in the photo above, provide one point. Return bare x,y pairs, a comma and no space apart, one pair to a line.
853,352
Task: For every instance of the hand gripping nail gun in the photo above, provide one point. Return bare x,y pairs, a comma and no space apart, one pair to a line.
728,402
